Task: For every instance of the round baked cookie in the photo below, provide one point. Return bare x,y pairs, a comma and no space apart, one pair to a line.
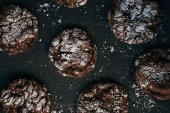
25,96
71,3
103,98
73,53
18,29
135,21
152,73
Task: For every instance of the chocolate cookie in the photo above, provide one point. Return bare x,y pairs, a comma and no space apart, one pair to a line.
103,98
71,3
152,73
135,21
25,96
73,53
18,29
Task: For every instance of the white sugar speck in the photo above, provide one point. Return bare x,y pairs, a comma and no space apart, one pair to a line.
112,49
40,40
53,111
141,100
60,21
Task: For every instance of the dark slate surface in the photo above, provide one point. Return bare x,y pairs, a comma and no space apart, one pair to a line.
116,66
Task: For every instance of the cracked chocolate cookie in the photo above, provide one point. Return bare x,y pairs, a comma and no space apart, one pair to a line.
152,73
135,21
73,53
18,29
25,96
103,98
71,3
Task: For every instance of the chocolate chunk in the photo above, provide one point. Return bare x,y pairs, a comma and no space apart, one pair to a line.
25,96
18,29
103,98
135,21
73,53
152,73
71,3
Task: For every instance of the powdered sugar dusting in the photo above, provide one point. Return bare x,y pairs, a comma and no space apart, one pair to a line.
74,50
19,29
141,101
26,95
131,20
103,98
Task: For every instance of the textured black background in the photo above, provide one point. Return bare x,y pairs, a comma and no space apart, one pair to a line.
116,66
